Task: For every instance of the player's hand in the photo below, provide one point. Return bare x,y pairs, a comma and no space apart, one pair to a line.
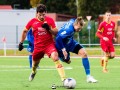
105,38
64,53
46,26
20,46
115,39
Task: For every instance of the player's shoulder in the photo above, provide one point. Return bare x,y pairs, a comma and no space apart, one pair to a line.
72,20
48,18
112,22
32,19
103,22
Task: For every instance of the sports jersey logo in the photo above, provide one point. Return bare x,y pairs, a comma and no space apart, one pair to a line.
109,29
41,31
64,32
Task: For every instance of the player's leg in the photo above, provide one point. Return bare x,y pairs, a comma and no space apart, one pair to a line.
85,61
112,51
105,62
86,65
108,56
58,65
52,52
35,62
112,55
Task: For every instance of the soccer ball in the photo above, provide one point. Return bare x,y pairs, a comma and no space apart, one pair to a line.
69,83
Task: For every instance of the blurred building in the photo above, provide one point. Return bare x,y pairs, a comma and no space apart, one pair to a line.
5,7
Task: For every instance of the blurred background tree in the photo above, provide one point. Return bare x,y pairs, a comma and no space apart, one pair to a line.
70,7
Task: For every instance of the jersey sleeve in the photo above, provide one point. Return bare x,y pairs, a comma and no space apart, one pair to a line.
52,23
100,30
29,24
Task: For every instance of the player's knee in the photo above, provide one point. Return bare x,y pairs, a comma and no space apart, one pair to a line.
54,56
59,66
84,55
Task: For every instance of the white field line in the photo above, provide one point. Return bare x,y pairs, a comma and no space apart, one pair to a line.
26,68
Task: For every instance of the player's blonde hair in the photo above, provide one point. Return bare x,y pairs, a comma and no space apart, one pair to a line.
80,21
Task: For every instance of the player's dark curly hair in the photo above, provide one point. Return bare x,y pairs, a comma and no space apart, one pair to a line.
41,8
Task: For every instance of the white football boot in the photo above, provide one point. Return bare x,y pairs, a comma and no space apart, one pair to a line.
90,79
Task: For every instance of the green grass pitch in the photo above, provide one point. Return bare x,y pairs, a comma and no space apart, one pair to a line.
14,73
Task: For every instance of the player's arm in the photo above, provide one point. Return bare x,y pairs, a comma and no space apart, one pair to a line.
98,34
54,31
24,33
100,30
59,41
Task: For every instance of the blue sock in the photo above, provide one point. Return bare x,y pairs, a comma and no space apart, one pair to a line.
30,60
86,65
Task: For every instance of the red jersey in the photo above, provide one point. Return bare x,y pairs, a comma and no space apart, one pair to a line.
107,29
42,37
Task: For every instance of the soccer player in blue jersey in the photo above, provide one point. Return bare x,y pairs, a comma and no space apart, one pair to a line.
66,44
30,46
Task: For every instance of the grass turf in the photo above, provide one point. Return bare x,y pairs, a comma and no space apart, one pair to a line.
14,73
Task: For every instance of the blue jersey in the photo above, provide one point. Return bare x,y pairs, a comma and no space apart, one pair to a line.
30,39
65,35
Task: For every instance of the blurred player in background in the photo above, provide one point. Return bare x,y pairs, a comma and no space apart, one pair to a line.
66,44
30,46
43,27
106,33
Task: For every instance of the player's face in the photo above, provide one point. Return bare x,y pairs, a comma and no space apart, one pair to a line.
107,16
78,27
41,16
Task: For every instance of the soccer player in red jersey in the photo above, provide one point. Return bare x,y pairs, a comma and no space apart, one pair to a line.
43,27
106,33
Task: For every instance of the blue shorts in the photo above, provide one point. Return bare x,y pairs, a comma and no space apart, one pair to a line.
30,47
